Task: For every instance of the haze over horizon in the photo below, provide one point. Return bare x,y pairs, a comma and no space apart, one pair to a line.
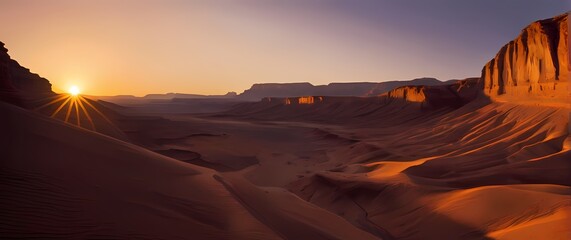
212,47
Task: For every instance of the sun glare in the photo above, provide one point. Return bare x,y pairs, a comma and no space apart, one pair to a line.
74,90
74,103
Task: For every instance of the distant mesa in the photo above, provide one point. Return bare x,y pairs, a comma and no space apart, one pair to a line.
186,95
259,91
163,96
351,89
172,95
231,94
453,94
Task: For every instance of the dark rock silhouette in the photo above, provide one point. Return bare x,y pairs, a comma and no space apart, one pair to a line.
17,84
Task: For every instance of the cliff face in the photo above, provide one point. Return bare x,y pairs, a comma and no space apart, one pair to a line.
17,83
532,68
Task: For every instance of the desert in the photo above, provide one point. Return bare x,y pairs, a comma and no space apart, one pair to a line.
485,157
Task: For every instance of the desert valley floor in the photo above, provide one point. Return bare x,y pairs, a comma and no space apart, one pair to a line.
391,171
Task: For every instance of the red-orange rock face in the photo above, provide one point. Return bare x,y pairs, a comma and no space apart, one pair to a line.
532,68
409,93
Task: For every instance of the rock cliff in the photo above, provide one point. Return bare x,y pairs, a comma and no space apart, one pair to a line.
532,68
17,83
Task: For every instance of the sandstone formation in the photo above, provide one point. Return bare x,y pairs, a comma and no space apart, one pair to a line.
452,95
385,87
534,67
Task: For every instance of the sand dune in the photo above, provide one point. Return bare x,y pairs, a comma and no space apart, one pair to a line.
414,174
500,146
75,183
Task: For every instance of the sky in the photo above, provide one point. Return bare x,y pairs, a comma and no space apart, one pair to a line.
137,47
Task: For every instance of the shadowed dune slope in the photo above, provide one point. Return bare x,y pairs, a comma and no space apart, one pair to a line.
60,181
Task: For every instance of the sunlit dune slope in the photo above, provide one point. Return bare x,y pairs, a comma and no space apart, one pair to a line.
448,178
486,159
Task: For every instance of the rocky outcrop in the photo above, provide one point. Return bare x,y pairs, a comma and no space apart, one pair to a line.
408,93
261,90
532,68
357,89
452,95
385,87
17,83
8,92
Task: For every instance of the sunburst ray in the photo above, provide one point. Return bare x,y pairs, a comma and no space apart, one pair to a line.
95,109
69,109
60,107
86,113
77,113
58,98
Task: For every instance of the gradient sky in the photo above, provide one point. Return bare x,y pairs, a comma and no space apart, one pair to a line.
214,46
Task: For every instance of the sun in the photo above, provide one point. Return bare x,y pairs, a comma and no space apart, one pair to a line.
74,90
